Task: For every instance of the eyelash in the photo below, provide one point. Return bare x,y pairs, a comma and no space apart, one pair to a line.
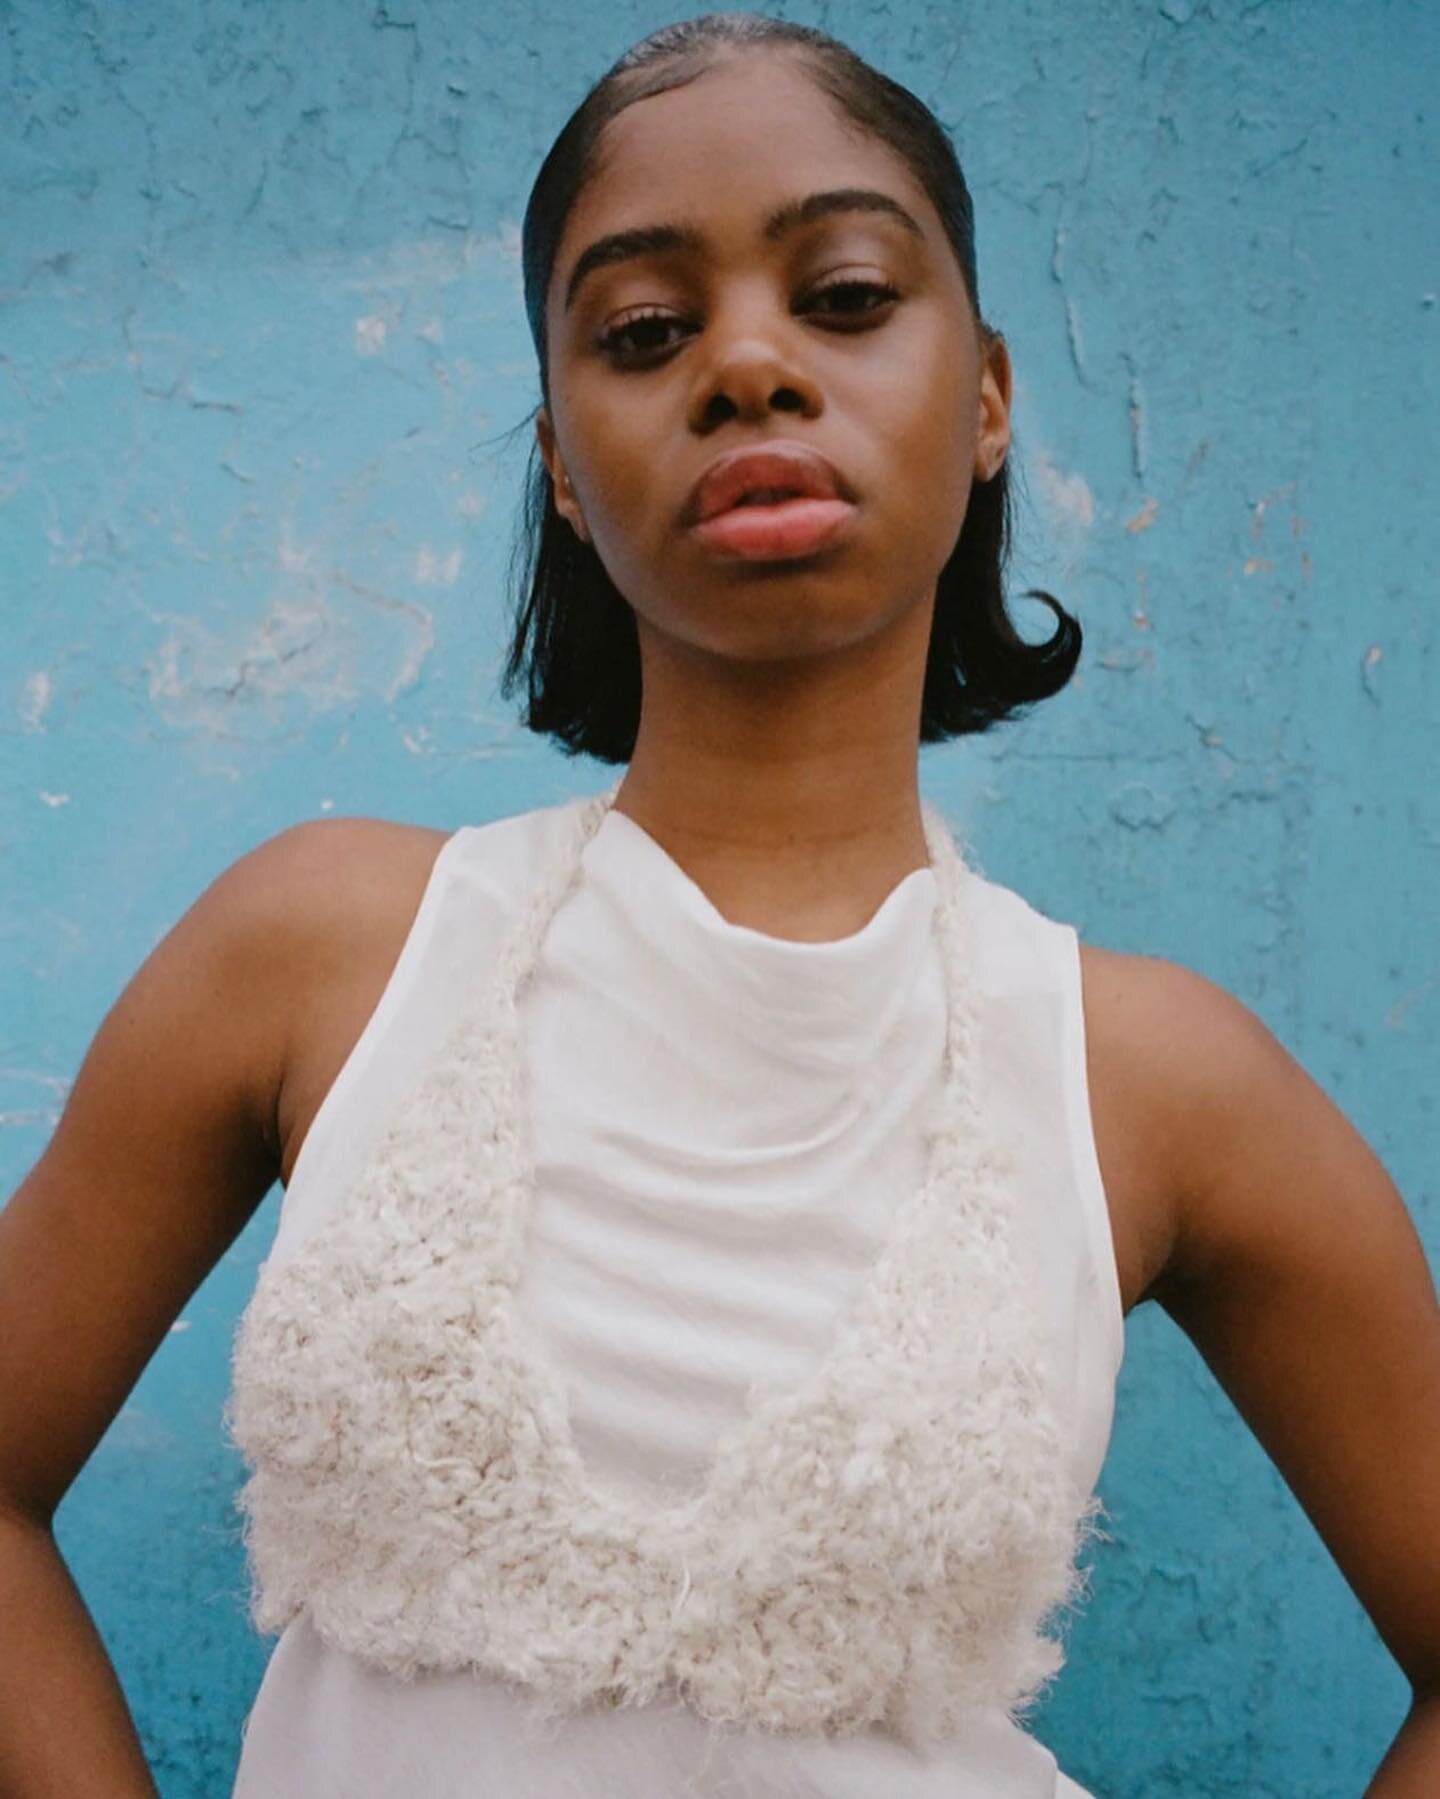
613,342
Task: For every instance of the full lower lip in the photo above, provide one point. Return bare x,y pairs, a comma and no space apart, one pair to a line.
778,532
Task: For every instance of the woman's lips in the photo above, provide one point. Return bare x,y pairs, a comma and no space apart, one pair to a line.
776,531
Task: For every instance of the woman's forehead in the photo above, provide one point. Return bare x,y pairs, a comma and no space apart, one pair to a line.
726,97
748,134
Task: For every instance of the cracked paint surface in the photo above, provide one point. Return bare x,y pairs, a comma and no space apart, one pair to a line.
261,351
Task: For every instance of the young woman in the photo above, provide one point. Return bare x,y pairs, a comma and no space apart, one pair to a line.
688,1349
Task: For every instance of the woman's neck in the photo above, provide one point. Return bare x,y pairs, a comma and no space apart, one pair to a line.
801,854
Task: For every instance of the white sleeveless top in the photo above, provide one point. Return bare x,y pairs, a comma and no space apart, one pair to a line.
721,1122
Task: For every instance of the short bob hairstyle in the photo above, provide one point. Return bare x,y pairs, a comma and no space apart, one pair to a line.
575,640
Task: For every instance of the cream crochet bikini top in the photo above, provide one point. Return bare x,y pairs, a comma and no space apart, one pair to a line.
883,1544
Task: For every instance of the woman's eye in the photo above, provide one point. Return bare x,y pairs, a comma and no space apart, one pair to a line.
645,335
850,299
641,335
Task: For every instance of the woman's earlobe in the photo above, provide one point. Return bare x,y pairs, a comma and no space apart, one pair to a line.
568,506
988,463
561,490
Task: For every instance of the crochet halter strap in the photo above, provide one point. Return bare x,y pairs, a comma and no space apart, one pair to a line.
882,1544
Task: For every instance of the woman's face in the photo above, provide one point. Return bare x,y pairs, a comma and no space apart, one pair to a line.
728,318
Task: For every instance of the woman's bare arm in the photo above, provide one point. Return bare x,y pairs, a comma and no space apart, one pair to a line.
165,1148
1294,1267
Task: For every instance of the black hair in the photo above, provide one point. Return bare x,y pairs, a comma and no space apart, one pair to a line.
575,639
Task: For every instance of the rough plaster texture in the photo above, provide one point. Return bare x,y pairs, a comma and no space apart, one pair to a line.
261,336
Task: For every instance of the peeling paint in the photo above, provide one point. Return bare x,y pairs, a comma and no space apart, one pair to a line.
1139,808
1144,518
28,1116
370,334
433,570
290,649
35,700
1067,496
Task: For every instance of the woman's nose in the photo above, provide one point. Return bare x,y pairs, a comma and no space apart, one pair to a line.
750,377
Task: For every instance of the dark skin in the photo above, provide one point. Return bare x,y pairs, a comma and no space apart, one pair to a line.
777,764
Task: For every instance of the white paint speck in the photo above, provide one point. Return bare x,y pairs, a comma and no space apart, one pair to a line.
39,690
432,331
54,799
293,559
1068,496
370,334
180,1324
327,805
437,571
471,503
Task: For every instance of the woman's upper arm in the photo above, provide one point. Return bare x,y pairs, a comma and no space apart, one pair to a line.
164,1150
1297,1272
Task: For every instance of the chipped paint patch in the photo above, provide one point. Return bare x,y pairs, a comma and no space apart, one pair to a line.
28,1116
370,334
1140,808
1144,518
199,680
35,699
432,570
1067,496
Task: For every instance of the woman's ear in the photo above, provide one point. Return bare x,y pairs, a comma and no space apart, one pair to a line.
992,442
566,503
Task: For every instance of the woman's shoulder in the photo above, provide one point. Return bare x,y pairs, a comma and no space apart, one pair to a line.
1179,1072
347,864
314,919
323,887
1181,1036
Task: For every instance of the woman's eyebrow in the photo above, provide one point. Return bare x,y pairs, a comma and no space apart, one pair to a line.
655,240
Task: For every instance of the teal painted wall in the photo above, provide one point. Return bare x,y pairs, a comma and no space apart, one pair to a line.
260,340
